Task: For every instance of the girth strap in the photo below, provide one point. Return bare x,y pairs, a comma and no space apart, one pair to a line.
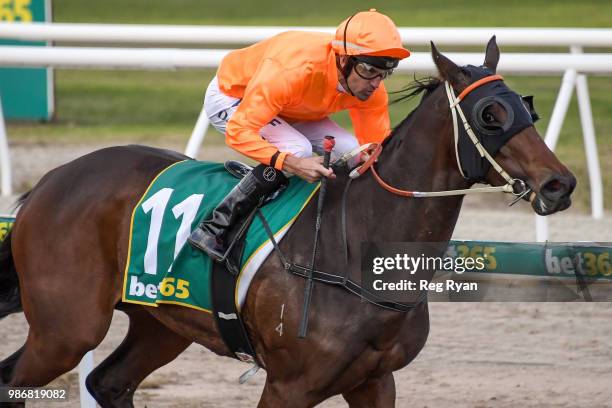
355,288
224,281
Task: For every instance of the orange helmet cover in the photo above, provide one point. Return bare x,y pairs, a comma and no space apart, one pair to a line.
369,33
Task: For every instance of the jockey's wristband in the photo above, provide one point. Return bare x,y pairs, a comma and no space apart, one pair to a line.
277,160
274,158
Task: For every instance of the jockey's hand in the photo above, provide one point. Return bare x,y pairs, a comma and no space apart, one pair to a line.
309,168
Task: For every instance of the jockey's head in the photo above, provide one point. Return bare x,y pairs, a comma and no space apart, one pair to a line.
368,47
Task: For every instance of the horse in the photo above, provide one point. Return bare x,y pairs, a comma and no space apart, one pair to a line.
71,233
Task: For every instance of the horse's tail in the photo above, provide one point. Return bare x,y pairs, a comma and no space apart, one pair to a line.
10,298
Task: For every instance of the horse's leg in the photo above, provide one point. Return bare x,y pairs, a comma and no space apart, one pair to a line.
66,257
147,346
47,355
61,330
6,371
374,393
8,365
277,394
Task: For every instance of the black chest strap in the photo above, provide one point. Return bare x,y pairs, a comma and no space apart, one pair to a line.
336,279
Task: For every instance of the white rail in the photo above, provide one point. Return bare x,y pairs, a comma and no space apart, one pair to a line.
206,35
5,159
173,58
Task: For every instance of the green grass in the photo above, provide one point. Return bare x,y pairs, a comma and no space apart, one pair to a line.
427,13
135,106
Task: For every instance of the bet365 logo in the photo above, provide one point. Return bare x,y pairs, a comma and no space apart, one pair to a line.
585,263
15,10
5,227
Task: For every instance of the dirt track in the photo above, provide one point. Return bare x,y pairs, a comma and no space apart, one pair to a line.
478,355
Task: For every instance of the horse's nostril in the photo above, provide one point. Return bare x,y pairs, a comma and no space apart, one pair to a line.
553,186
558,187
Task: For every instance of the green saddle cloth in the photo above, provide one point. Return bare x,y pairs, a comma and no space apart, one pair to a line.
162,267
6,223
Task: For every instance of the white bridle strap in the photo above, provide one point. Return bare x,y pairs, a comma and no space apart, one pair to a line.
452,100
506,188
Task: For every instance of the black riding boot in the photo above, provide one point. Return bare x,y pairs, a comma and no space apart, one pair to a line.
210,235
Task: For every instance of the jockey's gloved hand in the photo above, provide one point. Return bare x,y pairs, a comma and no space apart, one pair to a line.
308,168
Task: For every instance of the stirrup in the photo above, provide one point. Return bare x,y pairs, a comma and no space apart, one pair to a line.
222,256
237,169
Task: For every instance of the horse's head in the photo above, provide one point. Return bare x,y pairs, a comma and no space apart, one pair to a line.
493,116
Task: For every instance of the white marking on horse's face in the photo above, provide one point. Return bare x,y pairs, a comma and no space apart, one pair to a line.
539,206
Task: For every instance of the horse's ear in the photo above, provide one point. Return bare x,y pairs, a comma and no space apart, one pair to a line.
492,55
449,71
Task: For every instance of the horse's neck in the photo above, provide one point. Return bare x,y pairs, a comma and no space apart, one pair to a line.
420,159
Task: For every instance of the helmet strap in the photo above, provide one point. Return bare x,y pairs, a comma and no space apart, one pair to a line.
346,71
346,28
350,62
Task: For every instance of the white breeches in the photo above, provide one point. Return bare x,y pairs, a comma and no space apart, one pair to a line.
300,139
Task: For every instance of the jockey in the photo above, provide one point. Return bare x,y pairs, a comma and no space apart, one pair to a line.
272,101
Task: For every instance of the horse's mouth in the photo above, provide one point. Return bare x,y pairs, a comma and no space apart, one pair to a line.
541,206
553,195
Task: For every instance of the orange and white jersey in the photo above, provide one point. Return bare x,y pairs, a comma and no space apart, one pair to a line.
292,75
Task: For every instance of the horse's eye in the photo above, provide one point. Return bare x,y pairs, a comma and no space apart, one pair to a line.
488,117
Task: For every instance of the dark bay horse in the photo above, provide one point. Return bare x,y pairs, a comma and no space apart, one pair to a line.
68,249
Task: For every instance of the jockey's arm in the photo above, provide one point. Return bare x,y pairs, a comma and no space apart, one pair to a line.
269,90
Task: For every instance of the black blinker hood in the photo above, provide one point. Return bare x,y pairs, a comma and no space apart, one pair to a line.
492,135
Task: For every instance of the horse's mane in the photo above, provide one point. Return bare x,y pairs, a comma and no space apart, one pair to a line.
417,86
414,88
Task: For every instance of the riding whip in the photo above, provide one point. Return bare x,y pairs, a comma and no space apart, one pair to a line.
328,145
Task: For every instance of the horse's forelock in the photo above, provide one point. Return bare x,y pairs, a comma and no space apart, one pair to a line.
427,85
